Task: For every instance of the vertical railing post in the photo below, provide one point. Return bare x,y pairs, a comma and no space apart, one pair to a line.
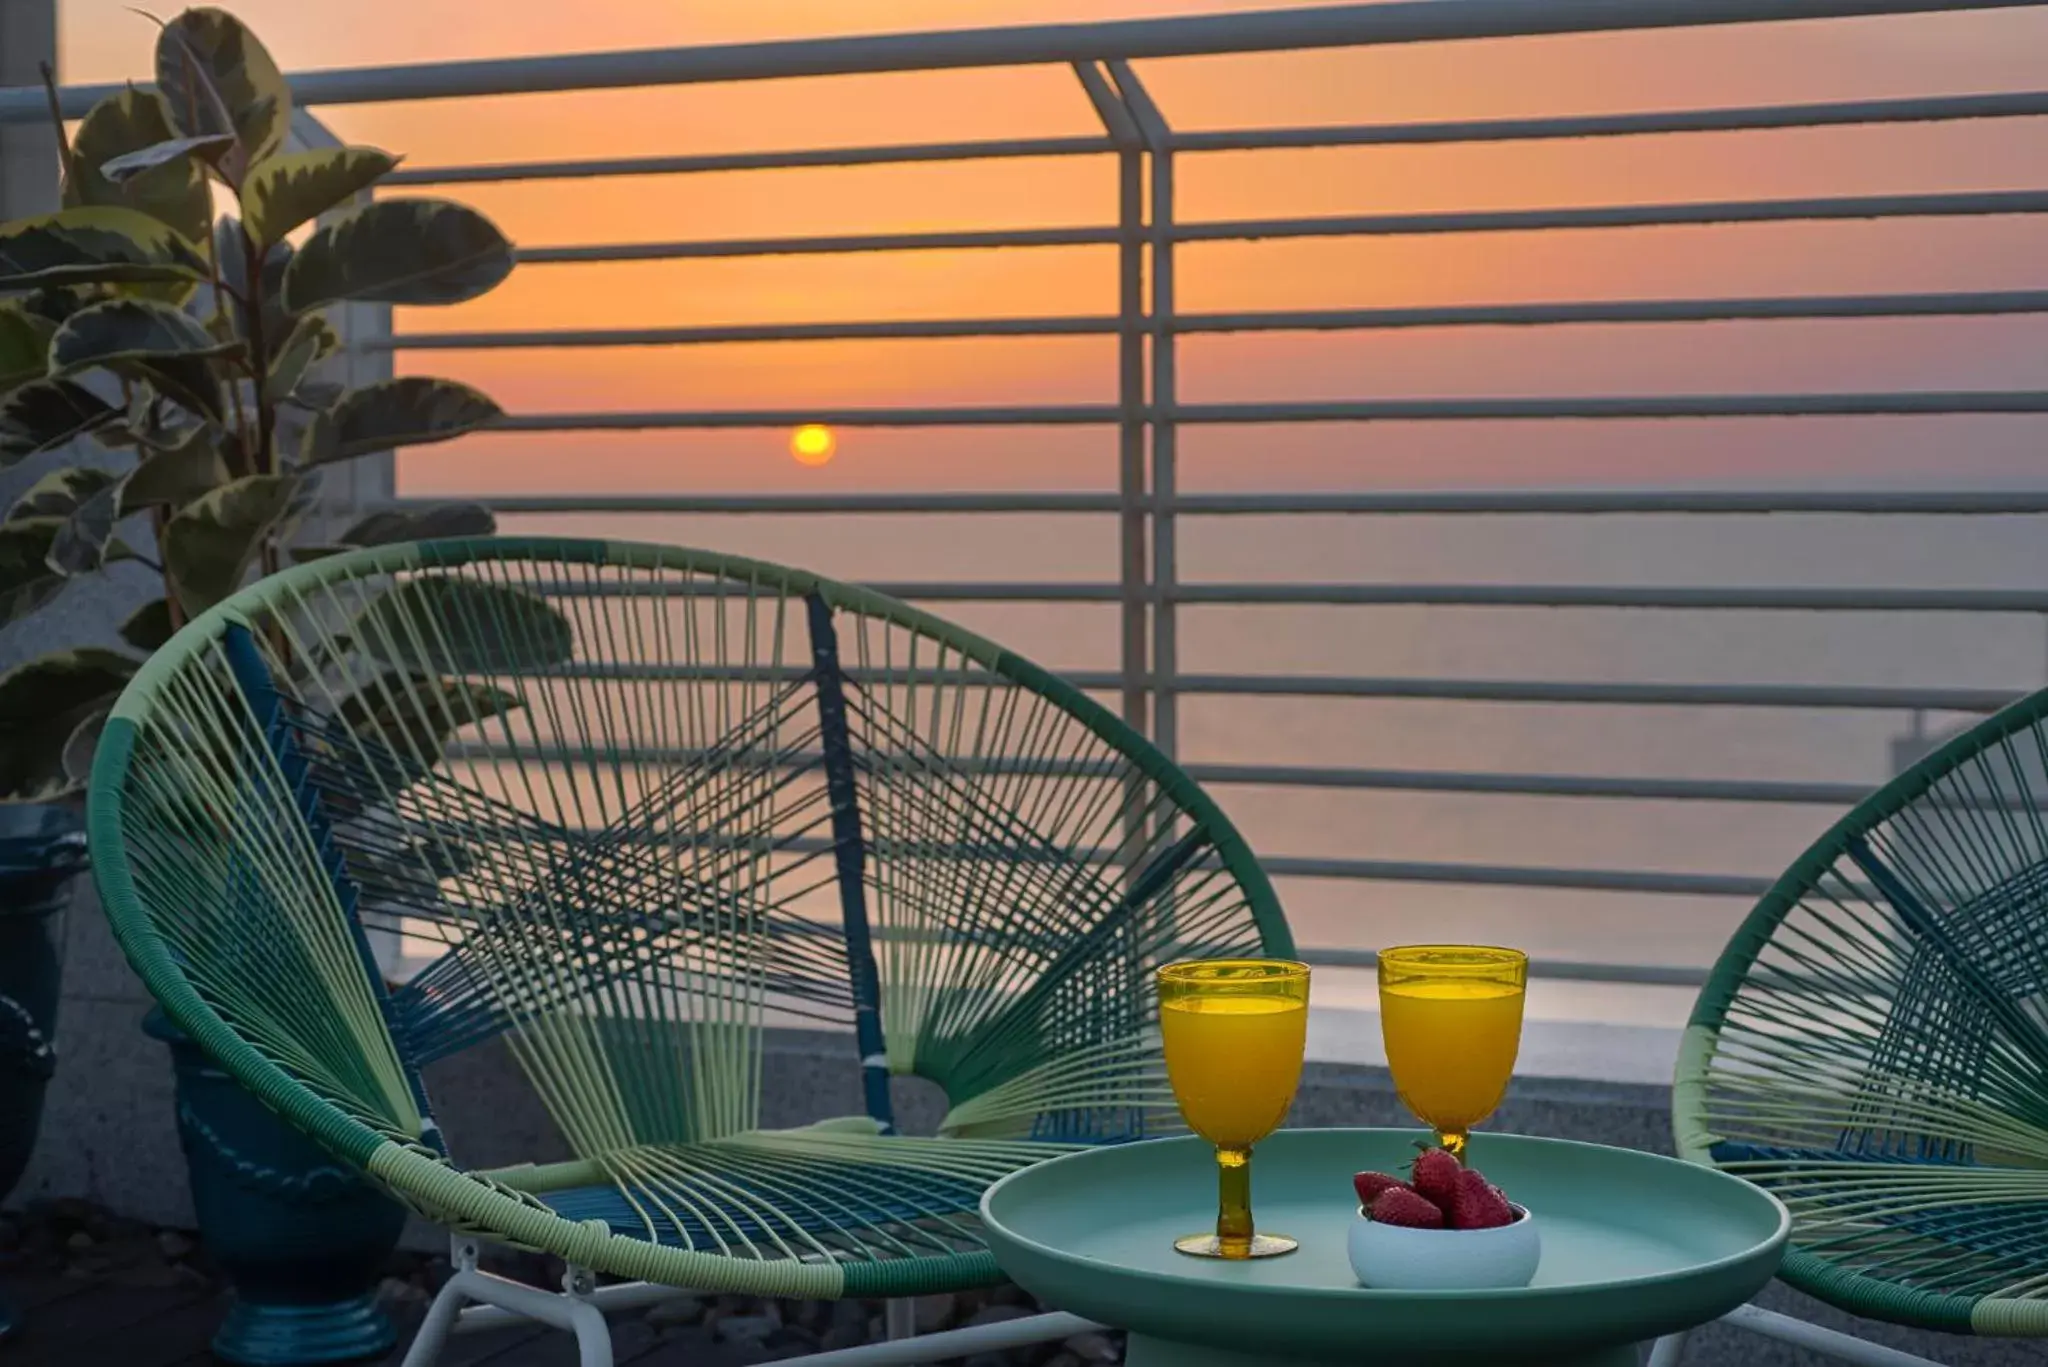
1131,496
1158,136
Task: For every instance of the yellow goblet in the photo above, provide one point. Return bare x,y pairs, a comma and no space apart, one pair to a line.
1234,1030
1452,1018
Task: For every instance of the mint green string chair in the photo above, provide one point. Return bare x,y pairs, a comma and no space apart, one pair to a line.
633,804
1872,1046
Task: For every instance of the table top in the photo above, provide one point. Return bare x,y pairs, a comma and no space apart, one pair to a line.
1634,1245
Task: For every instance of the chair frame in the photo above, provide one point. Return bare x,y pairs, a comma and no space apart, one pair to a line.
474,1205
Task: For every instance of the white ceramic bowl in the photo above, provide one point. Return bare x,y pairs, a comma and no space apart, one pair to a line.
1395,1258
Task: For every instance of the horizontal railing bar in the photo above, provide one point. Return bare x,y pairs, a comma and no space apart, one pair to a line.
1790,697
1787,696
1356,25
1497,220
1593,596
1503,502
1622,501
1284,866
2001,105
1895,404
1464,315
1622,216
1585,880
1281,776
991,149
1660,975
1496,595
1531,785
741,332
1971,303
962,592
1019,502
1372,410
964,240
1027,415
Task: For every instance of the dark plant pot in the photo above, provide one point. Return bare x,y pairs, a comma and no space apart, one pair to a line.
302,1238
42,851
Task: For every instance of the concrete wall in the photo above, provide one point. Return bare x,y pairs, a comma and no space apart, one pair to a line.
28,154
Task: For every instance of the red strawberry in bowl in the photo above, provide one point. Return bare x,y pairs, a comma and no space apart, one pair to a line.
1435,1175
1447,1228
1478,1204
1402,1207
1371,1184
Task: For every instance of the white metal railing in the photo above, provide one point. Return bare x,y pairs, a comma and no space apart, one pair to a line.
1149,412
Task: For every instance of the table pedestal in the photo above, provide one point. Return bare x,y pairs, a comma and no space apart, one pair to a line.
1150,1352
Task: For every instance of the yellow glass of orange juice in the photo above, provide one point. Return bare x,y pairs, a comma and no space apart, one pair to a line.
1452,1018
1234,1031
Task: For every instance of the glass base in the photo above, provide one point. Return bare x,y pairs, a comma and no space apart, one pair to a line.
1209,1246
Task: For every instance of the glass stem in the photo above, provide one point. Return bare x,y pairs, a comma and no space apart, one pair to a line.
1453,1141
1234,1202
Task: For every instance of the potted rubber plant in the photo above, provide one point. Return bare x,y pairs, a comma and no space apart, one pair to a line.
167,331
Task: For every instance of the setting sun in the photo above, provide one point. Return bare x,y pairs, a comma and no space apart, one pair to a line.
813,444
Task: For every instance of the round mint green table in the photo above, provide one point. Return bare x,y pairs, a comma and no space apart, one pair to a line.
1634,1247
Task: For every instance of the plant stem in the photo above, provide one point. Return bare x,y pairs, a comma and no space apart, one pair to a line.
57,122
159,518
259,355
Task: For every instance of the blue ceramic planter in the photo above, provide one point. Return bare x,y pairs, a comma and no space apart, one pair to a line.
42,851
301,1237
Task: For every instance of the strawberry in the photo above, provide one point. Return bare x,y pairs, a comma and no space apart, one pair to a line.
1401,1206
1371,1184
1478,1204
1435,1175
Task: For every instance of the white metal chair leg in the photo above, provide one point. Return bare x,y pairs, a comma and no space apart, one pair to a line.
593,1336
571,1309
433,1331
1668,1351
1772,1325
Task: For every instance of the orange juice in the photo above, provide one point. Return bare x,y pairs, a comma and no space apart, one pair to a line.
1451,1046
1234,1062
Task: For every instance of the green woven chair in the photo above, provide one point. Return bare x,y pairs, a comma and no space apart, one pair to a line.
632,805
1873,1044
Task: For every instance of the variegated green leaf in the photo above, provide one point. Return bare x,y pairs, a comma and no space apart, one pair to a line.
174,193
414,715
297,187
311,341
58,493
437,624
143,160
26,580
393,525
175,477
145,340
85,541
212,542
24,346
399,251
412,411
149,626
218,79
43,704
96,244
47,414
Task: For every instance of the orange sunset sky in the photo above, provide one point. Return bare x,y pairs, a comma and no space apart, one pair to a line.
1754,64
